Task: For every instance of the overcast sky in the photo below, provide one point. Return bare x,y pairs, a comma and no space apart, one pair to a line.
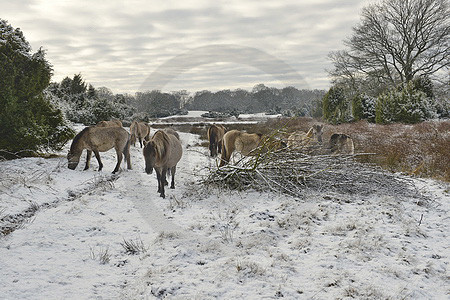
171,45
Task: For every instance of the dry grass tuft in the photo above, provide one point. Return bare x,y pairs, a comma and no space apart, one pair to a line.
420,150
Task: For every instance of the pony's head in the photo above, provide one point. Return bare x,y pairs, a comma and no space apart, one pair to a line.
150,155
73,159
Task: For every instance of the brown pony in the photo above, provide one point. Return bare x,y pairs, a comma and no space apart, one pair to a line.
162,153
215,136
235,140
141,130
112,123
303,139
341,143
99,139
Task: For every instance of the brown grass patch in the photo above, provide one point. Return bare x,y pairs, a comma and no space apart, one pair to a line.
421,150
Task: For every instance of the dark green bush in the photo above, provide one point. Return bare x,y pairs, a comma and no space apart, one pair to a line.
28,121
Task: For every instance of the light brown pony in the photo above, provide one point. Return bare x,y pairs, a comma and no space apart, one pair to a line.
162,153
235,140
141,130
301,139
99,139
112,123
215,136
341,143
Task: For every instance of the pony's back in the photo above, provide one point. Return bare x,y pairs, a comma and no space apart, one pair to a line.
341,144
240,141
172,132
112,123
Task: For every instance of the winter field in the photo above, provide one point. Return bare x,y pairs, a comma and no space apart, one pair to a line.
88,234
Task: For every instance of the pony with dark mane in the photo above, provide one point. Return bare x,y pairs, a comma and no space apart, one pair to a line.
141,130
215,136
99,139
112,123
162,153
242,142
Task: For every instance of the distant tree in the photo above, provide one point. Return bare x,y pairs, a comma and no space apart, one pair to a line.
395,41
424,84
406,105
91,92
265,98
77,85
335,106
363,107
317,109
28,120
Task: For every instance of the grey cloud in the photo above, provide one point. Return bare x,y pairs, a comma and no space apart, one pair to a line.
112,44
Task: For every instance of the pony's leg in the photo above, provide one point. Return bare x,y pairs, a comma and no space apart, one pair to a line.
163,176
119,161
219,147
224,158
140,141
172,184
97,156
158,177
88,159
126,152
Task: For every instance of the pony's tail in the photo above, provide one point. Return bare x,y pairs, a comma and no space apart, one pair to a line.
223,156
126,152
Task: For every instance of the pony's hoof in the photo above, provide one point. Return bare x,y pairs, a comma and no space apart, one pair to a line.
162,196
172,187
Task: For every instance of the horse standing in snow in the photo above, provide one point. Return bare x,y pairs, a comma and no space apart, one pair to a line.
235,140
140,130
162,153
99,139
215,136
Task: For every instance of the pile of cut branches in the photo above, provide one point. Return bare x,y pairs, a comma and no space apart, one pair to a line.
291,171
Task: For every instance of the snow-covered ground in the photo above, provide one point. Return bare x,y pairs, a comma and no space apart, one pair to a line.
203,243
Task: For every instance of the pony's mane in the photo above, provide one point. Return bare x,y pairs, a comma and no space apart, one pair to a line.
161,140
77,138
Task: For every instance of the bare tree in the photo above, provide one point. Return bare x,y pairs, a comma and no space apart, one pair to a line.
395,41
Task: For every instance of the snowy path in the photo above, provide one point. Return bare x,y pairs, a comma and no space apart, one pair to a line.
200,243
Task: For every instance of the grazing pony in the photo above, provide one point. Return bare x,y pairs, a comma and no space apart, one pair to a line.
215,136
235,140
341,143
99,139
303,139
141,130
112,123
162,153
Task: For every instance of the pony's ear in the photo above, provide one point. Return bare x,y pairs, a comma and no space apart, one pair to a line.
145,142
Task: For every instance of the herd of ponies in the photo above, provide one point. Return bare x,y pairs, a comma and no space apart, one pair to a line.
163,150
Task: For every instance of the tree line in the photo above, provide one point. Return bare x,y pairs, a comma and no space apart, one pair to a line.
395,65
82,103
